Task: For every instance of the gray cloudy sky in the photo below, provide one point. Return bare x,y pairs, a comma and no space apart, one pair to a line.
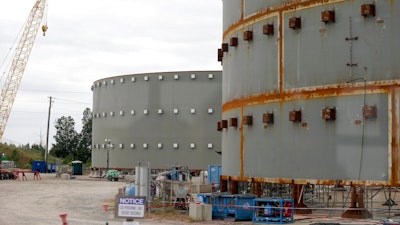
89,40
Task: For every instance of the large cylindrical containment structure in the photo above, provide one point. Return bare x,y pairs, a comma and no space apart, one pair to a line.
165,119
314,89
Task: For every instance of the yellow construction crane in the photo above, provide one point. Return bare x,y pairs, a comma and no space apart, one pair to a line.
19,61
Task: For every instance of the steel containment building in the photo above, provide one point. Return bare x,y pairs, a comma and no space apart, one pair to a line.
310,93
163,118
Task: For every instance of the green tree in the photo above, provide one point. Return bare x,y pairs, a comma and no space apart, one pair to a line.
66,138
85,137
39,148
15,156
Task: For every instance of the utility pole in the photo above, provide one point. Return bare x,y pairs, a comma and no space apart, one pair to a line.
46,154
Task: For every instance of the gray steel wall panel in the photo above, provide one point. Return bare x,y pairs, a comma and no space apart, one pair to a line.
292,150
231,146
318,49
167,128
251,70
232,12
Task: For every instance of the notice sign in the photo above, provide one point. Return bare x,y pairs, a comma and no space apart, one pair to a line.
130,206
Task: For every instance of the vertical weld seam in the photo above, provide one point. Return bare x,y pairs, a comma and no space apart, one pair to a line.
242,11
394,136
242,143
280,24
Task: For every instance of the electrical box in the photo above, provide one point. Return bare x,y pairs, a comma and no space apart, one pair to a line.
268,118
224,123
233,41
295,116
248,35
328,16
295,23
268,29
220,55
233,122
329,113
368,10
219,126
273,210
224,47
248,120
369,111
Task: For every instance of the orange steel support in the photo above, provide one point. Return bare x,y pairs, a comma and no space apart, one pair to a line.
256,189
223,185
395,134
357,209
299,206
233,187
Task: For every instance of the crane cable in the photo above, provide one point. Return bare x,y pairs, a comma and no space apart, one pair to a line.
45,27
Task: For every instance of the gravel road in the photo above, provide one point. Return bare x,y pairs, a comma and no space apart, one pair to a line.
41,202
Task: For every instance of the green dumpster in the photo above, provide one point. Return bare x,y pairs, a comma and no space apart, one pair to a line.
76,168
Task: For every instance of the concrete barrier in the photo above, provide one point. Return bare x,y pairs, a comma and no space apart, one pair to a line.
200,211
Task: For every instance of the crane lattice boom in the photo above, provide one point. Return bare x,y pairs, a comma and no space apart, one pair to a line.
19,61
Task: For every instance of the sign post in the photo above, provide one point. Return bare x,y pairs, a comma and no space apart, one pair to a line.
130,207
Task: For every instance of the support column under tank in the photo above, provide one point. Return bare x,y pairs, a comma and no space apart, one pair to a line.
357,209
233,187
256,189
299,206
224,185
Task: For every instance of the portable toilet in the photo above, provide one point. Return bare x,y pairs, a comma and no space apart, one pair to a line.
214,174
76,168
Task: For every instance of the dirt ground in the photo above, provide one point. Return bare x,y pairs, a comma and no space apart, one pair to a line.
41,202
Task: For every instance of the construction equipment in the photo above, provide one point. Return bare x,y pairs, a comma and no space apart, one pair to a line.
19,61
112,175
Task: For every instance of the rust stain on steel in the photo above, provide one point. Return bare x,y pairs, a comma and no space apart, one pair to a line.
242,10
310,93
395,135
307,181
284,7
242,143
281,67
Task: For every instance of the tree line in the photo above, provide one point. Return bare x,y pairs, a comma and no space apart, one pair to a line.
70,144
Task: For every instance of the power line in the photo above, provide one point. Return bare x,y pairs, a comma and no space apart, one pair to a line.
57,91
73,101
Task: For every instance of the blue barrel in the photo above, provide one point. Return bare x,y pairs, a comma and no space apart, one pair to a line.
131,190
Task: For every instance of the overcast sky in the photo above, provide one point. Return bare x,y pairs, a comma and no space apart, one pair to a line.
89,40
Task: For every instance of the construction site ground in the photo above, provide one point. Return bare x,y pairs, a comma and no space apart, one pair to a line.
42,201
